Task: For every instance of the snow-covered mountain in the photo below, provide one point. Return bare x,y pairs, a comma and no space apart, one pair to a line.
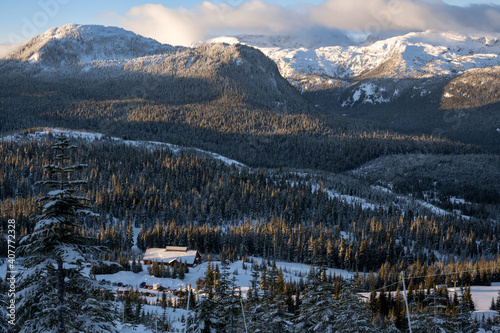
73,43
311,62
403,82
420,82
328,62
136,66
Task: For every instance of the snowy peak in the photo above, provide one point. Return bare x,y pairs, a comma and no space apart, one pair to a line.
74,43
414,55
143,67
311,40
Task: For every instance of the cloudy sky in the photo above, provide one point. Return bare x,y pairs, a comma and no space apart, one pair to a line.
189,21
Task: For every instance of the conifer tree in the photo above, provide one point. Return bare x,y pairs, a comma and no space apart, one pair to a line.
136,266
463,318
174,271
275,316
254,306
138,308
128,314
305,322
493,305
204,319
433,317
321,311
55,295
129,236
227,308
182,274
498,303
353,314
3,307
155,269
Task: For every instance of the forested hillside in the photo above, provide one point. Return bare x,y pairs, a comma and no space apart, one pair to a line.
205,204
202,203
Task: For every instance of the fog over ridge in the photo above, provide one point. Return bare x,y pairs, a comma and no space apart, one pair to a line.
190,26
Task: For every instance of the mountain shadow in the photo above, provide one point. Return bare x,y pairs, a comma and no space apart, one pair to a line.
415,106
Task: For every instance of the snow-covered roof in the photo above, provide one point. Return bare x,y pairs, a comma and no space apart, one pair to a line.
177,248
161,254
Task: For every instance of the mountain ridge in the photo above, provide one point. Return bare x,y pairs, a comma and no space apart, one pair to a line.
421,54
229,99
74,43
90,53
415,83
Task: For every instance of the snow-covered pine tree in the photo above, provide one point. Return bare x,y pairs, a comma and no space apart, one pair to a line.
433,317
227,309
274,316
253,305
135,266
307,319
204,320
54,293
321,311
462,321
498,303
129,236
352,313
138,308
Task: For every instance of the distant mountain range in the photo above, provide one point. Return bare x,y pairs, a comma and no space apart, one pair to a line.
311,63
324,62
435,83
429,82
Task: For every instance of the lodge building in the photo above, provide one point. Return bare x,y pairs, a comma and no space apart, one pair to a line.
172,255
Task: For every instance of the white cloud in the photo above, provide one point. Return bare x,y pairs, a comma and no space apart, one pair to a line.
6,49
405,15
184,27
166,25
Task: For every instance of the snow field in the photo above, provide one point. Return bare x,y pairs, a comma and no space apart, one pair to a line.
481,295
291,271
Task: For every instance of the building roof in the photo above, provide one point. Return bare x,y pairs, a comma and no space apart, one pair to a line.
177,248
161,254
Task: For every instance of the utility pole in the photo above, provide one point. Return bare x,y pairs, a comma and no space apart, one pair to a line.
123,312
187,309
435,317
406,300
244,320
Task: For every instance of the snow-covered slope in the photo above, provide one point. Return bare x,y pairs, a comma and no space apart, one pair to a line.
74,43
415,55
91,136
126,63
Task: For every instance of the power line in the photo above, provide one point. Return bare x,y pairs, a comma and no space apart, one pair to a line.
396,283
440,274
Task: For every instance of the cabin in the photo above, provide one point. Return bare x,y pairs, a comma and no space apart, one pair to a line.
172,255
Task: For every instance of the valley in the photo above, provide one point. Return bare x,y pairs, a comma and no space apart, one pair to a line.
340,166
